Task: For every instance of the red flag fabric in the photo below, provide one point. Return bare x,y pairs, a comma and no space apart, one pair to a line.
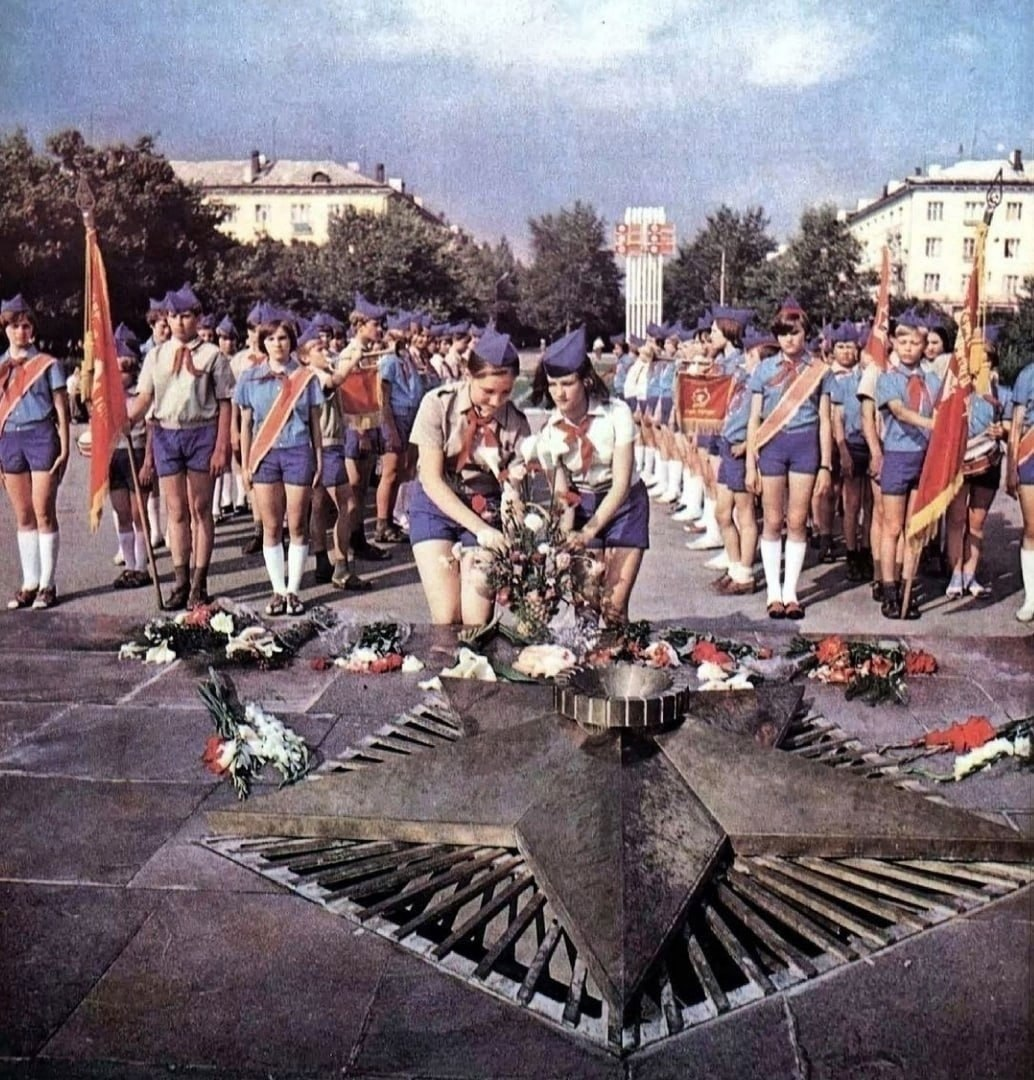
877,349
108,397
941,477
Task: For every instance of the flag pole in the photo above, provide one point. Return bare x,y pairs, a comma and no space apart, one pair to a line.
84,200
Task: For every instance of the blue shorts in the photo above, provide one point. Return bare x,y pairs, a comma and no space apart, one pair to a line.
790,452
404,422
666,406
651,404
119,476
287,465
641,404
630,526
178,450
361,444
860,458
710,444
732,471
901,470
33,448
1026,471
334,473
427,522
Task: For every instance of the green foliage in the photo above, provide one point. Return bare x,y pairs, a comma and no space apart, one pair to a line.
573,278
1016,348
692,281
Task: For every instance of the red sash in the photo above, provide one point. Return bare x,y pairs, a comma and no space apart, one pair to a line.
291,389
360,396
1026,448
803,386
703,402
16,379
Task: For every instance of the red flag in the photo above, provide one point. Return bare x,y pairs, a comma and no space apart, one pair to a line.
108,397
941,477
877,348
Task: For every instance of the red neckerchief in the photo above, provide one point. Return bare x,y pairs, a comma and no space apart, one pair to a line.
576,434
184,358
479,431
917,393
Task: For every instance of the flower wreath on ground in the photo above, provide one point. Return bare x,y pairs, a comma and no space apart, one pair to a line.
373,648
248,739
225,634
874,672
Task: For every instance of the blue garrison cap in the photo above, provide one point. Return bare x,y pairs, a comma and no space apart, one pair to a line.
207,322
258,314
309,334
157,305
495,348
740,316
15,306
440,330
125,348
125,333
397,322
790,306
475,330
912,319
566,355
226,328
655,330
636,342
183,300
460,328
367,309
617,339
845,333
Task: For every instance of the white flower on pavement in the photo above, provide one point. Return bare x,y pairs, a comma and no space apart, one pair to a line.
159,654
470,665
222,623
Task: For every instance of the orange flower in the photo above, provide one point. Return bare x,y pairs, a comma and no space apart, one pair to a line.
830,649
961,737
879,666
706,652
391,662
840,673
199,616
213,752
319,663
918,662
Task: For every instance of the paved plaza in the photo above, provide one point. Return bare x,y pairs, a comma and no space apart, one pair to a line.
129,950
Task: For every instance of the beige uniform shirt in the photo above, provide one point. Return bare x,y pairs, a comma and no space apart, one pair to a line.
186,398
441,423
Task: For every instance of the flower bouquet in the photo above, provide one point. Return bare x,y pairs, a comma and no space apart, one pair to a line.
248,738
874,672
378,649
226,634
535,572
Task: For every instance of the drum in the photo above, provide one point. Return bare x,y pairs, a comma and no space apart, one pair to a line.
84,442
982,453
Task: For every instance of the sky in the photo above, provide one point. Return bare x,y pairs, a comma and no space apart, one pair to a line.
499,110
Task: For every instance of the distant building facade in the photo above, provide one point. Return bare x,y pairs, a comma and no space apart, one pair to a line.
928,221
292,200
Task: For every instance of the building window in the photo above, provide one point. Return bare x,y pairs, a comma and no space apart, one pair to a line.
933,246
334,210
969,248
964,287
1013,211
229,212
300,225
973,212
934,211
1011,284
1012,248
931,283
261,215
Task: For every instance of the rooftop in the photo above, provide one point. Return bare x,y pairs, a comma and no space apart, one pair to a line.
249,173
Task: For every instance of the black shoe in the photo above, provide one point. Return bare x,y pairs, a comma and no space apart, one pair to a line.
324,571
177,599
826,552
877,591
369,553
890,607
855,569
253,545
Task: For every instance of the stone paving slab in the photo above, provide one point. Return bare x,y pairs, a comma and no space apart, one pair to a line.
133,743
20,720
56,829
234,982
62,630
73,677
85,927
754,1044
950,1003
437,1027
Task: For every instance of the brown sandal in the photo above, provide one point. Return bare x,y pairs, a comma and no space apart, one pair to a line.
794,610
776,610
23,598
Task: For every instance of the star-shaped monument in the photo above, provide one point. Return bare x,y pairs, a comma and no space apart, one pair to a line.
623,825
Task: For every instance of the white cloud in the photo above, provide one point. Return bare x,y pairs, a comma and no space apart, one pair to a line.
610,52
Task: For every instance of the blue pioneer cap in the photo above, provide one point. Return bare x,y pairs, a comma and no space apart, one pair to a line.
565,355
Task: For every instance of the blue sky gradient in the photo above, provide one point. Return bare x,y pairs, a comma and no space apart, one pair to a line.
495,111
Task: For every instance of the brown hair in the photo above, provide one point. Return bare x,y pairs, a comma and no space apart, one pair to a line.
278,324
9,318
476,366
790,322
732,330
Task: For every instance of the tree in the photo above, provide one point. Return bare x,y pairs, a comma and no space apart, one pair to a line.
693,281
573,277
488,284
1016,346
820,268
154,230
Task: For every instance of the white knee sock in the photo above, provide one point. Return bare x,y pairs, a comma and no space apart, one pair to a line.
126,548
139,549
1026,613
771,556
297,556
649,460
28,552
640,456
795,552
154,512
239,494
274,557
49,543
